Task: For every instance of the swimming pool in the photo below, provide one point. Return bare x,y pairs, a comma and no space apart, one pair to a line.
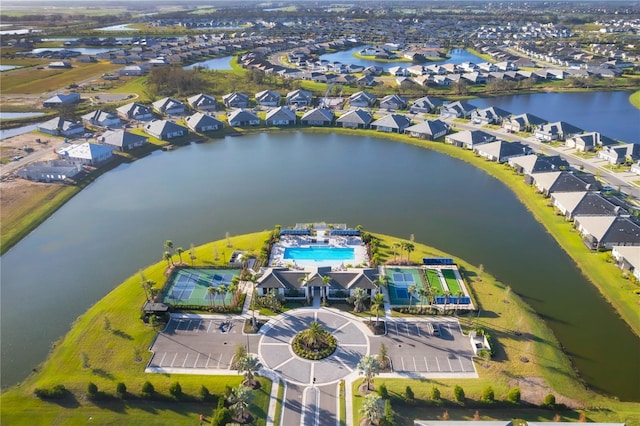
319,253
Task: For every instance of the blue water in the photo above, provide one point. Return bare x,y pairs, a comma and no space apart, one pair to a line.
223,63
9,67
318,253
457,56
82,50
122,27
14,115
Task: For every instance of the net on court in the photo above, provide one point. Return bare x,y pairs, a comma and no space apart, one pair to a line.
191,287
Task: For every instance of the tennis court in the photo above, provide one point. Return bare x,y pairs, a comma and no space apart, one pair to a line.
400,279
434,282
452,281
191,287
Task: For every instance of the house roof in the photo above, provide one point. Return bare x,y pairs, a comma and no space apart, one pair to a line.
200,120
242,115
427,102
539,163
460,106
299,94
588,203
121,138
268,95
527,119
358,116
159,127
295,279
363,96
134,108
492,112
394,99
85,151
394,121
201,100
560,127
500,149
563,181
281,113
62,98
319,114
593,139
472,137
99,116
616,229
631,254
167,103
429,127
235,96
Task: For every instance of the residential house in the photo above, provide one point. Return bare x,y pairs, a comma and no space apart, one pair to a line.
635,168
268,98
318,117
102,118
165,129
366,80
281,116
49,171
457,109
392,123
133,71
605,232
490,115
502,151
235,100
59,65
60,127
627,259
362,99
373,70
201,122
85,154
202,102
61,99
122,140
585,203
295,284
522,123
299,98
619,154
393,103
169,106
135,111
589,141
469,139
533,163
399,72
556,131
429,130
425,105
242,118
564,181
355,119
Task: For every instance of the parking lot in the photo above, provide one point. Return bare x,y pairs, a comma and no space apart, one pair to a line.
199,342
435,346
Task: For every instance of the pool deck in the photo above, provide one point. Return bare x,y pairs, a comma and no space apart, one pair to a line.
320,240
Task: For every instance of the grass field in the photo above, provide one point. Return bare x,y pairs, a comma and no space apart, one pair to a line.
434,281
635,99
30,81
452,282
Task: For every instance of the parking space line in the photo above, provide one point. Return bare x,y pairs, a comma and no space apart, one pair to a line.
162,360
185,360
219,361
449,361
174,359
189,326
418,330
438,364
208,359
415,367
195,364
460,361
402,359
406,326
395,324
210,322
426,364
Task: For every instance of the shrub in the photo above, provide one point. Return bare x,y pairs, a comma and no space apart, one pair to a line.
388,415
514,395
176,390
92,390
408,393
221,417
549,400
121,390
458,393
435,394
56,392
383,392
147,390
487,395
205,395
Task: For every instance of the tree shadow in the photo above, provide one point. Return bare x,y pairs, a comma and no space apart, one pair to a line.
102,373
69,401
122,334
111,404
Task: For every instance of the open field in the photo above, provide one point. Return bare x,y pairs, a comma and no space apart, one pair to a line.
635,99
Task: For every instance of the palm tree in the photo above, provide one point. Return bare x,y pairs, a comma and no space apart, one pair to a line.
179,251
459,296
167,256
211,292
192,254
372,408
369,368
168,245
447,294
359,297
326,280
248,365
233,289
409,247
424,294
395,246
376,302
240,398
411,290
222,291
314,334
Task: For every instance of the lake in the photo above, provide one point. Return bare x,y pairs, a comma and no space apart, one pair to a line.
123,27
223,63
9,67
457,56
8,133
244,184
14,115
82,50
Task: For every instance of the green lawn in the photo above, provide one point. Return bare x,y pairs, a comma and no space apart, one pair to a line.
452,282
434,281
635,99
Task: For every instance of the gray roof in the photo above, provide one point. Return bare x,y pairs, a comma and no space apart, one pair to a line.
587,203
394,99
319,114
560,127
134,108
426,103
607,229
281,113
460,106
500,149
539,163
299,93
121,138
358,116
201,100
395,121
429,127
566,181
242,115
527,119
159,127
472,137
200,120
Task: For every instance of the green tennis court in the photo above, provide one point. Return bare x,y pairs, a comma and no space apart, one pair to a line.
399,281
434,282
452,282
190,286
